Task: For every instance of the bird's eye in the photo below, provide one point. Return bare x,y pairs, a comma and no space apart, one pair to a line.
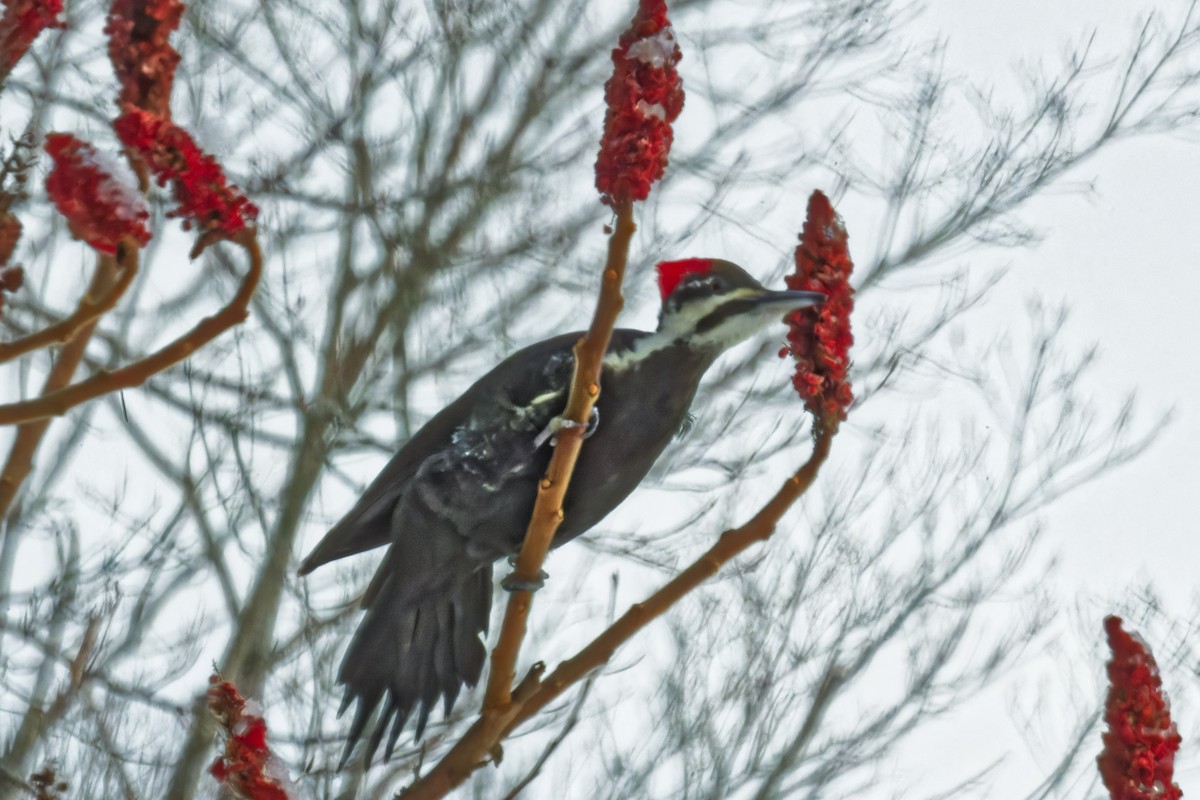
707,284
695,287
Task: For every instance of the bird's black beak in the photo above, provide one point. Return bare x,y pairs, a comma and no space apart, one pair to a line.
785,301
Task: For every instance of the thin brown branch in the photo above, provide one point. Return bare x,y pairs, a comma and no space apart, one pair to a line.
90,309
29,435
39,719
573,717
533,694
501,702
59,402
830,683
729,545
547,512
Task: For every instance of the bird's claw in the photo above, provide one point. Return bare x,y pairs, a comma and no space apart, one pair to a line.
592,423
559,423
512,583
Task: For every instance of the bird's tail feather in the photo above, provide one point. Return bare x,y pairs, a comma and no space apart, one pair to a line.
409,651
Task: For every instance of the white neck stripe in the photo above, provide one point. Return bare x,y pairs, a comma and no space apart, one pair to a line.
676,327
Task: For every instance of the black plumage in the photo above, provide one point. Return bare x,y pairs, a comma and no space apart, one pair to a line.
459,494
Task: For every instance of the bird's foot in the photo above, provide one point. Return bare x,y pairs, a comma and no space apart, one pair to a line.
559,423
512,583
592,423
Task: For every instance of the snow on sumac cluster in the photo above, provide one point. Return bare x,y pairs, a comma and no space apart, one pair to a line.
247,768
643,97
820,338
205,200
99,208
1138,761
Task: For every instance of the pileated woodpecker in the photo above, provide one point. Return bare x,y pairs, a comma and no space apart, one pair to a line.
459,494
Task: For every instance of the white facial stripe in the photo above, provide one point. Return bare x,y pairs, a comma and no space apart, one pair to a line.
734,329
687,318
680,323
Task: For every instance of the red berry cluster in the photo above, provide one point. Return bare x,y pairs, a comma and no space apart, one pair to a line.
820,338
245,766
98,208
21,23
643,97
139,48
217,209
1138,759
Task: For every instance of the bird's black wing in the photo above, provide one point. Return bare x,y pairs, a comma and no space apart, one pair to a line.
529,375
367,524
448,504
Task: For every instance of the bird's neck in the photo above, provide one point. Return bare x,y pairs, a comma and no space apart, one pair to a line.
663,343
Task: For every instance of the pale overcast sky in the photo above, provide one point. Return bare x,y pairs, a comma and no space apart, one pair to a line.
1124,258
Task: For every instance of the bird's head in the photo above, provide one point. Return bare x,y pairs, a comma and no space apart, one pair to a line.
714,304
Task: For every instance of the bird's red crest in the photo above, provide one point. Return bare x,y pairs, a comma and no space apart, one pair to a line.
670,273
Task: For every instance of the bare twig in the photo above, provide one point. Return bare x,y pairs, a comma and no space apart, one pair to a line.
572,718
501,703
533,694
58,402
90,309
29,435
792,755
730,544
547,512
